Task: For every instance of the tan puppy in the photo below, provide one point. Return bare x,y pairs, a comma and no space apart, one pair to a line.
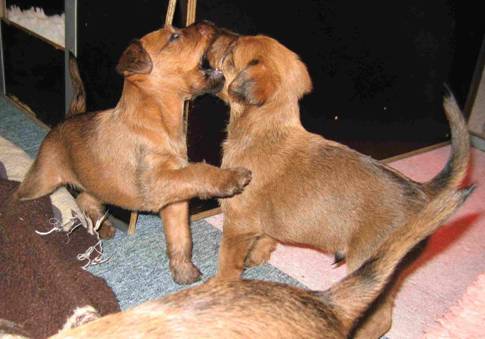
261,309
135,155
306,189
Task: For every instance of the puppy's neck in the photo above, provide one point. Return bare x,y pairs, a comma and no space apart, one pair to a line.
148,110
252,119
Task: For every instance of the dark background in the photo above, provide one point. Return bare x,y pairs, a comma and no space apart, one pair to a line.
378,68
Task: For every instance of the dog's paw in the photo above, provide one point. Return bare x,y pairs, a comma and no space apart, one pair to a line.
107,230
235,181
260,255
252,261
186,273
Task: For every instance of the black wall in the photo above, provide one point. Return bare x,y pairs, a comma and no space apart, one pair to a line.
105,29
378,67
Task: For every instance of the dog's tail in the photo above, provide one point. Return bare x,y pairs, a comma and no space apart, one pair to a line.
78,102
353,295
455,169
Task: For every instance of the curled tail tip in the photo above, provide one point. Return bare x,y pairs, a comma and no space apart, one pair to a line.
447,92
450,104
448,95
456,168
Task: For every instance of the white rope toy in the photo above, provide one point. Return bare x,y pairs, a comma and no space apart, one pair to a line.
81,220
98,247
58,227
98,259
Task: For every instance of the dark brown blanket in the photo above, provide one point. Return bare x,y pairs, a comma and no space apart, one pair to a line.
41,281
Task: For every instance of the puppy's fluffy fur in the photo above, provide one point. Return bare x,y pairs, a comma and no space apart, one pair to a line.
135,155
307,189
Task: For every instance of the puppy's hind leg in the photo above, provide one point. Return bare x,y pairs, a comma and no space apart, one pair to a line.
235,245
95,211
261,251
43,177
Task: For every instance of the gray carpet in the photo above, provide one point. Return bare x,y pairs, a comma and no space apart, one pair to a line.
17,127
138,267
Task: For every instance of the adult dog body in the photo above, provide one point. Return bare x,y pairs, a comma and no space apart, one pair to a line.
307,189
135,155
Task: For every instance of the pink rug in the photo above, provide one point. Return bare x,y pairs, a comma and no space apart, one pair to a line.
466,319
453,260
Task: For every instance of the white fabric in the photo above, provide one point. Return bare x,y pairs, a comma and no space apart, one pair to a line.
34,19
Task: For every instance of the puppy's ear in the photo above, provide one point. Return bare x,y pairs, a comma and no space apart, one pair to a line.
255,84
299,78
134,60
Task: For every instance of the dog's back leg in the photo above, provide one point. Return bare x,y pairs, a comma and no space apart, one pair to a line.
95,210
261,251
45,174
238,238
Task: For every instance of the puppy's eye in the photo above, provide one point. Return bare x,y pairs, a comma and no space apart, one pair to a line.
174,37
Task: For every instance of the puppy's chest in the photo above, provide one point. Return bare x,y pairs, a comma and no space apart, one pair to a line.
150,161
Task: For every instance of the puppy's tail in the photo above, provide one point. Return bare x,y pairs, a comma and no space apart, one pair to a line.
353,295
455,169
78,103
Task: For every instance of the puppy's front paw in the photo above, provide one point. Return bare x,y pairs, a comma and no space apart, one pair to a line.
185,273
235,179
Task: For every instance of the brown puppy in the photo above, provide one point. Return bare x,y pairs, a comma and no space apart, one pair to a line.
261,309
306,189
135,155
